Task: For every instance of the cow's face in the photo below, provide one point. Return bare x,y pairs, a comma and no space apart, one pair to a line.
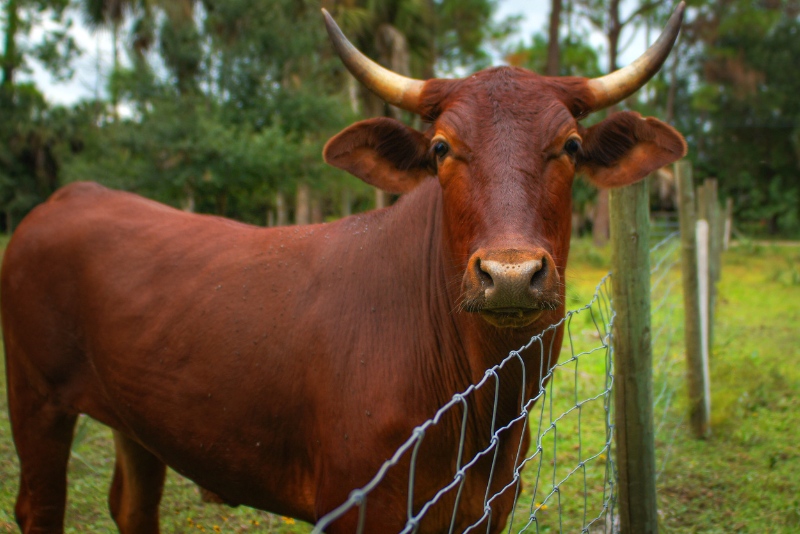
505,145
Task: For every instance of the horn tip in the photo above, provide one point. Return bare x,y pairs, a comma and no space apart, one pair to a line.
680,9
333,28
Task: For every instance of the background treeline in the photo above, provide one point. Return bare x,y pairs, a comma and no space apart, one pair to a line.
223,106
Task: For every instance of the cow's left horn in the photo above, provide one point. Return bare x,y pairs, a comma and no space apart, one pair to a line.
391,87
620,84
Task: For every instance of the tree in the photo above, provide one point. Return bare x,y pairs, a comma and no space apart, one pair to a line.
748,134
553,54
29,168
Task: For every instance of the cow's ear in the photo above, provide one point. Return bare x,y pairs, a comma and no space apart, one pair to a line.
626,147
383,152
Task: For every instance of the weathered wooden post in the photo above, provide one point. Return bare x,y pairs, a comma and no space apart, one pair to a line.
701,204
714,218
716,222
704,283
699,412
633,358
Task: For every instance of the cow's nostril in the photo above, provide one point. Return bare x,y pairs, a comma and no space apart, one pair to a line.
484,276
539,276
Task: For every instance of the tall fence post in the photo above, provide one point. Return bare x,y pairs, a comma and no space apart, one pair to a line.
714,218
695,369
704,283
633,358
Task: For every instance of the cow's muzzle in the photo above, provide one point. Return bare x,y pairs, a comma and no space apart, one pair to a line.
510,288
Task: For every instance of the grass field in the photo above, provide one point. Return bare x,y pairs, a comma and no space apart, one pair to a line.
744,478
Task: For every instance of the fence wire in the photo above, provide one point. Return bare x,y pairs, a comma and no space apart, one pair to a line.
566,480
666,300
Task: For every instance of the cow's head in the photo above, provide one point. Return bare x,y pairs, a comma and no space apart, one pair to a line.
505,145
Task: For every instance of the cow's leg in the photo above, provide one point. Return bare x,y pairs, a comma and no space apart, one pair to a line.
136,488
43,437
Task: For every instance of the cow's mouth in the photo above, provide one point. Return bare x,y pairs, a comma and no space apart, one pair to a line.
511,317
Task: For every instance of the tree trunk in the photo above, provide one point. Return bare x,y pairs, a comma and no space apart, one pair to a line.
614,29
352,93
347,203
302,214
553,50
600,223
114,93
669,114
188,204
381,199
280,208
10,61
317,216
600,228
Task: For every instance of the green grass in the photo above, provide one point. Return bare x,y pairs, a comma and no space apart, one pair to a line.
744,478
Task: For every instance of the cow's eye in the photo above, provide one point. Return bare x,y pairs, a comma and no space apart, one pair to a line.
441,149
572,146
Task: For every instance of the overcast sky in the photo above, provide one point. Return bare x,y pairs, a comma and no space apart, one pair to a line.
97,55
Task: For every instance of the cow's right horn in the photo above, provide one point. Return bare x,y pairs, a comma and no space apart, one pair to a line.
391,87
620,84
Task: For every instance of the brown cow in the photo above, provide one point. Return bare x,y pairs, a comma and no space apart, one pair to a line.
280,367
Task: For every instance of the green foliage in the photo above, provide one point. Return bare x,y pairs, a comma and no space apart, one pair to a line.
222,104
28,166
229,101
577,57
743,116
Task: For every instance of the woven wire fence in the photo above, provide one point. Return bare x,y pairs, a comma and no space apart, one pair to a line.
566,479
669,368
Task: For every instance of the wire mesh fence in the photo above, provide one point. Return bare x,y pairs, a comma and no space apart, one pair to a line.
668,356
564,478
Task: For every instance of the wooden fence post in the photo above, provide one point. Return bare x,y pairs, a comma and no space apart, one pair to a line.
718,230
633,358
714,218
701,205
704,284
695,370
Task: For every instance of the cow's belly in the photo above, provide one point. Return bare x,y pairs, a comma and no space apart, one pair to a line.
225,419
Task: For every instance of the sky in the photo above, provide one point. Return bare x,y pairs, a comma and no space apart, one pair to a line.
95,63
535,13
